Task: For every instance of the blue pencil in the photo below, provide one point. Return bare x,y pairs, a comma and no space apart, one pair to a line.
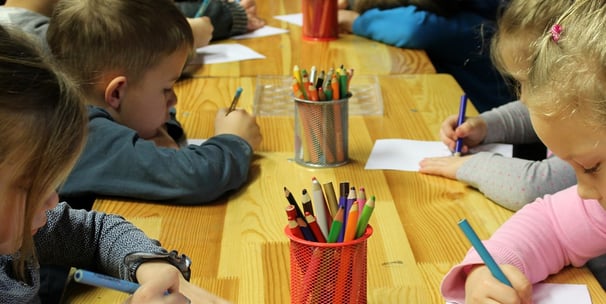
460,121
202,8
486,257
101,280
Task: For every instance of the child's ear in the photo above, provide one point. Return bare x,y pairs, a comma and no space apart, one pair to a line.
115,92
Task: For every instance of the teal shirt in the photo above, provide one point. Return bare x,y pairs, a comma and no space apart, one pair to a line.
117,162
457,45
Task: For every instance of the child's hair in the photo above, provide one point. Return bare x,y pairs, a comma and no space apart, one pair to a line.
92,37
568,72
440,7
520,24
42,125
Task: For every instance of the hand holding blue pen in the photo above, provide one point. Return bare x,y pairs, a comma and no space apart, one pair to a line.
484,254
460,121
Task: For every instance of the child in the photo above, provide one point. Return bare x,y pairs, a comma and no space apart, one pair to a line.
43,130
229,18
565,97
127,64
510,182
30,15
33,16
454,37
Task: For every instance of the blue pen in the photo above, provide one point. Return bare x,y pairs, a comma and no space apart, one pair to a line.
202,8
486,257
460,121
234,102
101,280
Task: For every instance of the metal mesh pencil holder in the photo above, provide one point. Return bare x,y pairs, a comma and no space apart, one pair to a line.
323,273
321,132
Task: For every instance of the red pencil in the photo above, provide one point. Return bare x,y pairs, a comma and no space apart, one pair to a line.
315,229
292,222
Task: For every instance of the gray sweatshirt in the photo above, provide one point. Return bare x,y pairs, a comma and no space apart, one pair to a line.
91,240
514,182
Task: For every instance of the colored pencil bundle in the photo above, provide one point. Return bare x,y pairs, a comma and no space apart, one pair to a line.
321,86
325,218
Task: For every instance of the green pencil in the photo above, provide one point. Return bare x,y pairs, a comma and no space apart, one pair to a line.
365,216
335,228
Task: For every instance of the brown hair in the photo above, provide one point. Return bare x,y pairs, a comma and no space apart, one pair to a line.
42,125
92,37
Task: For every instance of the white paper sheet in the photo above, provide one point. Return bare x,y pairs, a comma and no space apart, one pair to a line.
549,293
405,154
220,53
296,19
262,32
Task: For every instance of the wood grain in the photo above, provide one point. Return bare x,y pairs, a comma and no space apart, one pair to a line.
238,244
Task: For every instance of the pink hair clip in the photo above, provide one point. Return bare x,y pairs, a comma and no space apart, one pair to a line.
556,30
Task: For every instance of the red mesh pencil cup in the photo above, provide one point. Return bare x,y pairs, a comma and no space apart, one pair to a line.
320,21
325,273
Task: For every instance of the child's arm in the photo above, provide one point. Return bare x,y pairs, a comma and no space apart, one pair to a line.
540,239
408,27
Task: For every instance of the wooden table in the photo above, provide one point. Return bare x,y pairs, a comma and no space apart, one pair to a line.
284,51
238,245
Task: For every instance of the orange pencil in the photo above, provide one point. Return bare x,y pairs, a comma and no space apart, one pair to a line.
315,229
352,222
334,84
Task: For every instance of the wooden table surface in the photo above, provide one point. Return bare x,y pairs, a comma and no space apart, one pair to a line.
284,51
238,245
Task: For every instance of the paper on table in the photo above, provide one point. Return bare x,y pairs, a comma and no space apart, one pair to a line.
549,293
219,53
264,31
296,19
405,154
195,141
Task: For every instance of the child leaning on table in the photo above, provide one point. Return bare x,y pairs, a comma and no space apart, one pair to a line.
566,99
33,16
454,34
509,182
43,131
127,63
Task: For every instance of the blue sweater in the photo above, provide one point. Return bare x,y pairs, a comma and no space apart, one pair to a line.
117,162
459,45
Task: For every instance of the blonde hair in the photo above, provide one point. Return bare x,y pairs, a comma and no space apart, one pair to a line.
93,37
520,24
568,72
42,125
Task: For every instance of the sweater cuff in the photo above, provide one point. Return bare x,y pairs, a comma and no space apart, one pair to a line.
239,19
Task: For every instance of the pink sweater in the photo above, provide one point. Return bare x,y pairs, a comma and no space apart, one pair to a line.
540,239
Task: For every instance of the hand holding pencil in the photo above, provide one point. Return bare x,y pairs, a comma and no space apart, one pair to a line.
239,123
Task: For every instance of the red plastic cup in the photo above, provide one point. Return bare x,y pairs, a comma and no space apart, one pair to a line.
320,21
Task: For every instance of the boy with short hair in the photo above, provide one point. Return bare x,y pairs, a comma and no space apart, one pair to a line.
127,56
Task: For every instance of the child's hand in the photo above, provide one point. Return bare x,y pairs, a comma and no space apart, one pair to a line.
473,131
156,278
254,22
442,166
203,30
346,20
482,287
239,123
